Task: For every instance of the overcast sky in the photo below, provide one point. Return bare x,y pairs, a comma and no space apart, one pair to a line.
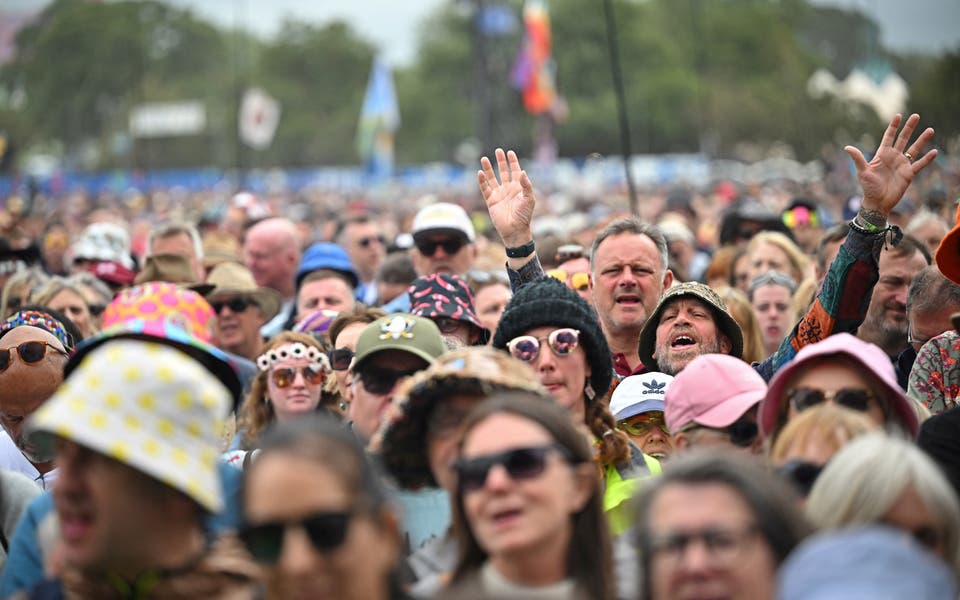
926,25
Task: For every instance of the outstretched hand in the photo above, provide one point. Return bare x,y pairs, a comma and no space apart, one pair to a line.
887,176
510,200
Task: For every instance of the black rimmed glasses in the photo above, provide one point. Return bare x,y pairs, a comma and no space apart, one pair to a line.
723,544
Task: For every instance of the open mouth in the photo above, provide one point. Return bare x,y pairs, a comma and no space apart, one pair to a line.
682,341
628,299
74,525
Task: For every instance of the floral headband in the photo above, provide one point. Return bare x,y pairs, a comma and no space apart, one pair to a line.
294,350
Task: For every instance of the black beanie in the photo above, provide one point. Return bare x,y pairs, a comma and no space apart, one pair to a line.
940,440
548,301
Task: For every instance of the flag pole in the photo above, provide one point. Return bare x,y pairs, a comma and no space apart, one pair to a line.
621,103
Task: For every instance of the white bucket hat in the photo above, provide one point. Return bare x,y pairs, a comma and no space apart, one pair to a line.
148,406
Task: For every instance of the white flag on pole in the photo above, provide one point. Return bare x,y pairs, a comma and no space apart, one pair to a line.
259,117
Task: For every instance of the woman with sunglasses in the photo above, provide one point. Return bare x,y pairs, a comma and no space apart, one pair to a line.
845,371
877,478
291,370
343,335
316,517
548,326
528,510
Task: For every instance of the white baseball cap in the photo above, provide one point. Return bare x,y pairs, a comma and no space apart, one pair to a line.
639,394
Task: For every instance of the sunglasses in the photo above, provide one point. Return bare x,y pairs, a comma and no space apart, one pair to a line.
801,475
97,309
340,359
446,325
30,353
380,381
643,425
852,398
520,464
742,433
326,532
236,305
285,376
373,239
562,342
578,281
450,246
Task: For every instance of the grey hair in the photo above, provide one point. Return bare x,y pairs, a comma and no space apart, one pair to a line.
930,291
53,286
922,218
863,481
89,280
632,225
174,228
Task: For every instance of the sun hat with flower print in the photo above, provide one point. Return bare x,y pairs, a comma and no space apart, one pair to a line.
148,406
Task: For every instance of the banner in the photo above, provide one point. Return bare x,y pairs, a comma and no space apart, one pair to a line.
379,119
533,71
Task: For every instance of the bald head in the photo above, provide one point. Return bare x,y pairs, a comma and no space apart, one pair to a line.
272,253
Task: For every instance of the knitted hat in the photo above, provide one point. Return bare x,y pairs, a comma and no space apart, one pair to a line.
725,323
147,406
474,371
547,301
441,295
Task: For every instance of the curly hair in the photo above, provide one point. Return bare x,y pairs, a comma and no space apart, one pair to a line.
255,413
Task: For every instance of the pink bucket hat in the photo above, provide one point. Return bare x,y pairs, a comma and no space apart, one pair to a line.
713,390
871,359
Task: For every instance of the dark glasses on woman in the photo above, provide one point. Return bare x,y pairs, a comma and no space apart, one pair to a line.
340,359
237,305
801,475
312,375
326,531
30,353
450,246
562,342
381,381
520,464
852,398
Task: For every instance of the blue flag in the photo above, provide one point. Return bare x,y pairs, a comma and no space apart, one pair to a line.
379,119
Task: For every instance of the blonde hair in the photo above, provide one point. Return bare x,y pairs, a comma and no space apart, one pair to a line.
828,425
742,312
799,262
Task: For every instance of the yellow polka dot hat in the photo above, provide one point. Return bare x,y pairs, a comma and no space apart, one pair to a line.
148,406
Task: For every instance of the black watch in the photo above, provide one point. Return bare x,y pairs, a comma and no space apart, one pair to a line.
521,251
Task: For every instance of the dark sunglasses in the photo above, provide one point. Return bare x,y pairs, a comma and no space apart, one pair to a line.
562,342
450,246
340,359
447,325
801,475
237,305
285,376
380,381
96,309
852,398
520,463
742,433
30,353
326,532
367,241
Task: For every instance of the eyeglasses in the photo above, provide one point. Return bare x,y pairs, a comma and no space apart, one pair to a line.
723,544
578,281
742,433
801,475
562,342
446,325
380,381
372,239
450,246
852,398
520,464
237,305
916,343
642,424
340,359
326,531
312,374
30,353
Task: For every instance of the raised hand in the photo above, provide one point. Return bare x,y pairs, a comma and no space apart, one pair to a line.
510,200
887,176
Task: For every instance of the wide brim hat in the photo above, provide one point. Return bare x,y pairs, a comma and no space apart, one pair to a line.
147,406
234,279
548,302
948,253
691,289
403,332
172,268
445,295
475,371
870,358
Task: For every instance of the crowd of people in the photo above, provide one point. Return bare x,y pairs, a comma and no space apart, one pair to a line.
726,399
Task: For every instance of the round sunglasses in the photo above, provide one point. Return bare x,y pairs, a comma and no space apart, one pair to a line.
312,374
562,342
30,353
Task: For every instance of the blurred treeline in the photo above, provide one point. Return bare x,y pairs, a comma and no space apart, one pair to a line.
724,77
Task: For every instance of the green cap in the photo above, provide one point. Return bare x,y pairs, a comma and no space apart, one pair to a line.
400,331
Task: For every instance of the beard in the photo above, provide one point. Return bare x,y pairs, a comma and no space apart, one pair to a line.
32,453
671,361
884,332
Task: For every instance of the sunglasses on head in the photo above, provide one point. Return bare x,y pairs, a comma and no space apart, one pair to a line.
852,398
30,353
285,376
562,342
326,531
373,239
520,464
380,381
450,246
237,305
340,359
642,425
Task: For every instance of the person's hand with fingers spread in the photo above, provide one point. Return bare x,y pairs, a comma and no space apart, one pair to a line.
887,176
510,201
